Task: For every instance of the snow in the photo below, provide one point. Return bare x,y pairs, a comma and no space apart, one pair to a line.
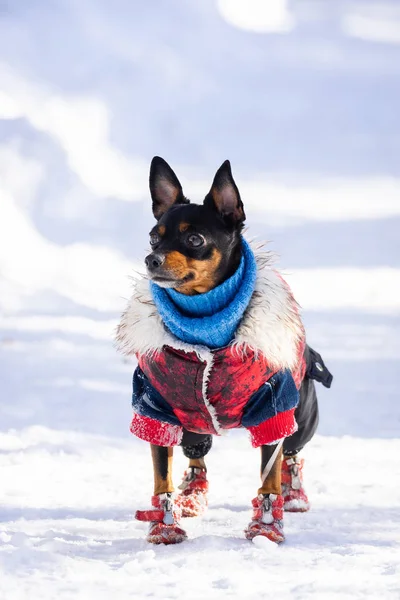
310,121
76,537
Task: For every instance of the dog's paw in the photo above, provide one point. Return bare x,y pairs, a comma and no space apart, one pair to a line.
270,531
159,533
193,499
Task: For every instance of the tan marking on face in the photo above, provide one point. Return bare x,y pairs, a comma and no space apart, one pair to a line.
161,230
203,271
176,264
183,227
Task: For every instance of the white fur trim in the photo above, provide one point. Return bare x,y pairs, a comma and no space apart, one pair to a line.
209,360
271,324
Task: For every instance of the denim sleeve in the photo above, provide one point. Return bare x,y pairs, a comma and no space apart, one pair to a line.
147,402
275,396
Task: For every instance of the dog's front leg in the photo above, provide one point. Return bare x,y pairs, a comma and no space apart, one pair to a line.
162,469
268,505
271,484
165,513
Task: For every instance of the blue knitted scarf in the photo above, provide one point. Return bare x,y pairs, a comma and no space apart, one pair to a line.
210,319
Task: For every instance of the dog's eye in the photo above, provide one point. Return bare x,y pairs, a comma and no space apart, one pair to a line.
195,240
154,239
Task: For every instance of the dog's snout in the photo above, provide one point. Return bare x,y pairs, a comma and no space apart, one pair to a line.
153,261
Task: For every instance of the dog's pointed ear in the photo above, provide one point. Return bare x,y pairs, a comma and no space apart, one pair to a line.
224,195
165,188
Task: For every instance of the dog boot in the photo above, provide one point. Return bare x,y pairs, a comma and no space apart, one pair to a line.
295,498
164,520
193,498
267,518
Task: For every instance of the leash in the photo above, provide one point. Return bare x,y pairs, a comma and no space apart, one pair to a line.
270,463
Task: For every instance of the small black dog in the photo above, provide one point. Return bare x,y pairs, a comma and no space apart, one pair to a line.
220,344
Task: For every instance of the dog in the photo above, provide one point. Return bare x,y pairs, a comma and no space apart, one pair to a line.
220,344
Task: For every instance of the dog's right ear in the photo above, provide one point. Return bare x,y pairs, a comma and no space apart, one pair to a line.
165,188
224,196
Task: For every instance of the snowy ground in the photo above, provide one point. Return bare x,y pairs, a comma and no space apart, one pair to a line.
315,154
75,537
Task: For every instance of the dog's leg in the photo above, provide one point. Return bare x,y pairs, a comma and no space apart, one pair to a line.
267,518
162,469
272,483
194,487
164,515
294,494
195,447
197,463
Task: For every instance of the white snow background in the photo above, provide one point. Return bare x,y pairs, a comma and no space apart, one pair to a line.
303,98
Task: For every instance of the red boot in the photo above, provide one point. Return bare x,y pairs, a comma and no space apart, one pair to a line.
193,498
295,498
164,520
267,518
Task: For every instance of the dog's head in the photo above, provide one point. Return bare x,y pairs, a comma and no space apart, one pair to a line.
195,247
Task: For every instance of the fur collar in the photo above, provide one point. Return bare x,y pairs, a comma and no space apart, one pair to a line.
271,324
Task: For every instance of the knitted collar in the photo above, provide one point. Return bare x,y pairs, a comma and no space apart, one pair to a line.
210,319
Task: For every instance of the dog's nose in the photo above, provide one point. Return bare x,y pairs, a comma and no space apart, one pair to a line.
153,261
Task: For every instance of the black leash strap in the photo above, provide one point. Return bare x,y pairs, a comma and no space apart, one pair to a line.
316,368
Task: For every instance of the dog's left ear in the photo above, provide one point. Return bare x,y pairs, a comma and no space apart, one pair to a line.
224,195
165,188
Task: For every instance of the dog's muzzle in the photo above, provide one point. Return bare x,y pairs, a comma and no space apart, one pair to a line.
154,261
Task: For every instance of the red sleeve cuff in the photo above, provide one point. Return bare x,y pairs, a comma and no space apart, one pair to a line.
274,429
156,432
